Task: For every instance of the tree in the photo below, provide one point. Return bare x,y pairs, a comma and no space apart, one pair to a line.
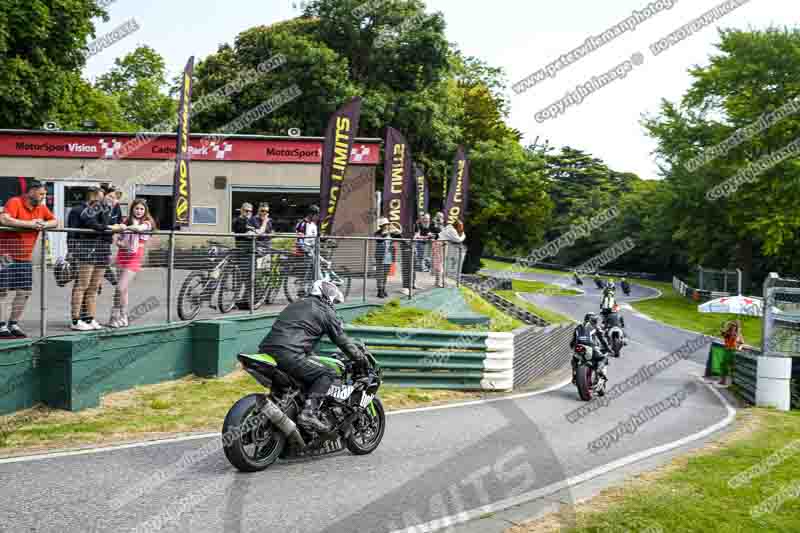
509,206
80,101
137,81
42,42
754,73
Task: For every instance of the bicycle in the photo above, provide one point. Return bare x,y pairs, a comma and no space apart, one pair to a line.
269,277
224,272
302,281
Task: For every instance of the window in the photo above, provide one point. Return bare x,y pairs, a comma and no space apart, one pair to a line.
204,215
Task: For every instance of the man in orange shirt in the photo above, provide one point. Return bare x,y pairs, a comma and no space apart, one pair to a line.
28,215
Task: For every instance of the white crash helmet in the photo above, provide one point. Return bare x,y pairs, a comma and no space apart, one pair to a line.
328,291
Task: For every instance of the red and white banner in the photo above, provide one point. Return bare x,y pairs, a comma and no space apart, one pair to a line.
111,147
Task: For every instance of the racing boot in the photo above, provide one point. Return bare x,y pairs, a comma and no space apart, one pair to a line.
311,418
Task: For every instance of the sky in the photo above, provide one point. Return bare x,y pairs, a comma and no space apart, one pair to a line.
521,36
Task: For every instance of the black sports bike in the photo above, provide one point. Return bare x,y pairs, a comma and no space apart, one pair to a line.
260,428
587,363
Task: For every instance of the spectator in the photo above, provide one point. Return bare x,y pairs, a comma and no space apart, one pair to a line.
262,223
130,251
384,255
29,215
453,236
91,253
423,233
244,252
307,232
437,249
732,335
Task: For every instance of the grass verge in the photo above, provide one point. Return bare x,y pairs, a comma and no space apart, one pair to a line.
539,287
676,310
499,321
550,316
491,264
707,490
393,315
188,405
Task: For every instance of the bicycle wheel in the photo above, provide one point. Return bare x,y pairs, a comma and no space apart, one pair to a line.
294,282
190,298
346,280
229,284
276,277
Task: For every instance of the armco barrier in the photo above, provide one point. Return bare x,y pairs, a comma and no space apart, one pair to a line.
439,359
567,268
540,350
745,374
485,290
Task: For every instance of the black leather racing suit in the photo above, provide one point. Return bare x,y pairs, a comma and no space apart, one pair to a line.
296,331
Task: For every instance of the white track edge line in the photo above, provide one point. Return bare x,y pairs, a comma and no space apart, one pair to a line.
502,505
89,451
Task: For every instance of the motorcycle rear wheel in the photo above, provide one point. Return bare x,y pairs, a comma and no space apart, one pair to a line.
374,433
584,382
616,345
267,441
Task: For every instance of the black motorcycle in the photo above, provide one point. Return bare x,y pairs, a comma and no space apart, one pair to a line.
626,288
578,280
260,428
614,335
587,362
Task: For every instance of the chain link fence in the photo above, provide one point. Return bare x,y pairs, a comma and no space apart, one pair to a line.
69,280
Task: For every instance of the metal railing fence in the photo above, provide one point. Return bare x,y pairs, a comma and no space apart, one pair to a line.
82,280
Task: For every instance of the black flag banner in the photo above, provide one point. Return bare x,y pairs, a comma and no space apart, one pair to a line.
398,185
423,194
342,130
457,197
181,185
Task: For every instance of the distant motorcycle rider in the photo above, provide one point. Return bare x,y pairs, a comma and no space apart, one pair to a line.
589,332
609,300
298,328
626,287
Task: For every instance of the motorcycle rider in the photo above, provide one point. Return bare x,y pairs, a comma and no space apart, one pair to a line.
608,301
626,288
589,332
298,328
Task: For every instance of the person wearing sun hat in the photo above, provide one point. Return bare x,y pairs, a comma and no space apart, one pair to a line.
384,255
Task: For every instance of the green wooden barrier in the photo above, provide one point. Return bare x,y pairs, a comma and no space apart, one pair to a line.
76,370
19,375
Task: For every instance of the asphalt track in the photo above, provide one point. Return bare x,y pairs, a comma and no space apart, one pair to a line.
432,463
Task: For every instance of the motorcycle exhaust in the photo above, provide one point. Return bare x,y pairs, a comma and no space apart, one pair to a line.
284,423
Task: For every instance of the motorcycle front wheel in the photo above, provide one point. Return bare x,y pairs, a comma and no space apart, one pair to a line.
368,430
256,448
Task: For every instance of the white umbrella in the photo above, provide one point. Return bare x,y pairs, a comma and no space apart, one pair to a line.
736,305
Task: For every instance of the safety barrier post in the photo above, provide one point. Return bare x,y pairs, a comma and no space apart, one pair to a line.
316,261
366,266
170,274
411,269
43,289
458,274
253,277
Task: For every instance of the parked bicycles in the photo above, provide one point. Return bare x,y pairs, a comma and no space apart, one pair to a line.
200,286
269,277
299,274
